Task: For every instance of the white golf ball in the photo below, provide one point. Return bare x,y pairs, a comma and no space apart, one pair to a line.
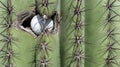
49,25
36,24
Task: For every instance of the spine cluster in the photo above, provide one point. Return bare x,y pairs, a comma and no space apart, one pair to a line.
111,49
44,6
78,38
42,52
6,52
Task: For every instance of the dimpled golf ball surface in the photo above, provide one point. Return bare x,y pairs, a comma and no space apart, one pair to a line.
36,24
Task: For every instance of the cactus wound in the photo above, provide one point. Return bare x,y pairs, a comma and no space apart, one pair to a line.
36,22
26,23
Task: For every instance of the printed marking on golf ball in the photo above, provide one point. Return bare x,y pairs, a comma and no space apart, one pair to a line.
36,24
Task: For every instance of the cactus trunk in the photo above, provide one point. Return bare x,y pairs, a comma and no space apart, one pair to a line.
59,33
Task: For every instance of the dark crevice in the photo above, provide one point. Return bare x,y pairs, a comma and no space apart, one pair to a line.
26,22
27,26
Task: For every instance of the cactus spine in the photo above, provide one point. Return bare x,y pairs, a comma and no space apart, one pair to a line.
45,44
7,52
73,46
110,39
103,18
87,37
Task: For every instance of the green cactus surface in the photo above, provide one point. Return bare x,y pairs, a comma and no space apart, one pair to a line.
59,33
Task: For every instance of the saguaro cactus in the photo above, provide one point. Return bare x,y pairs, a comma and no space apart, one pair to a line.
59,33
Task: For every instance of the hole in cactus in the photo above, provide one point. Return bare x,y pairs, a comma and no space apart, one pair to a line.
24,19
37,24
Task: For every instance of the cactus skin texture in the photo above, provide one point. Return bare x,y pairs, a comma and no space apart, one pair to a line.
72,49
103,32
86,36
12,39
23,44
